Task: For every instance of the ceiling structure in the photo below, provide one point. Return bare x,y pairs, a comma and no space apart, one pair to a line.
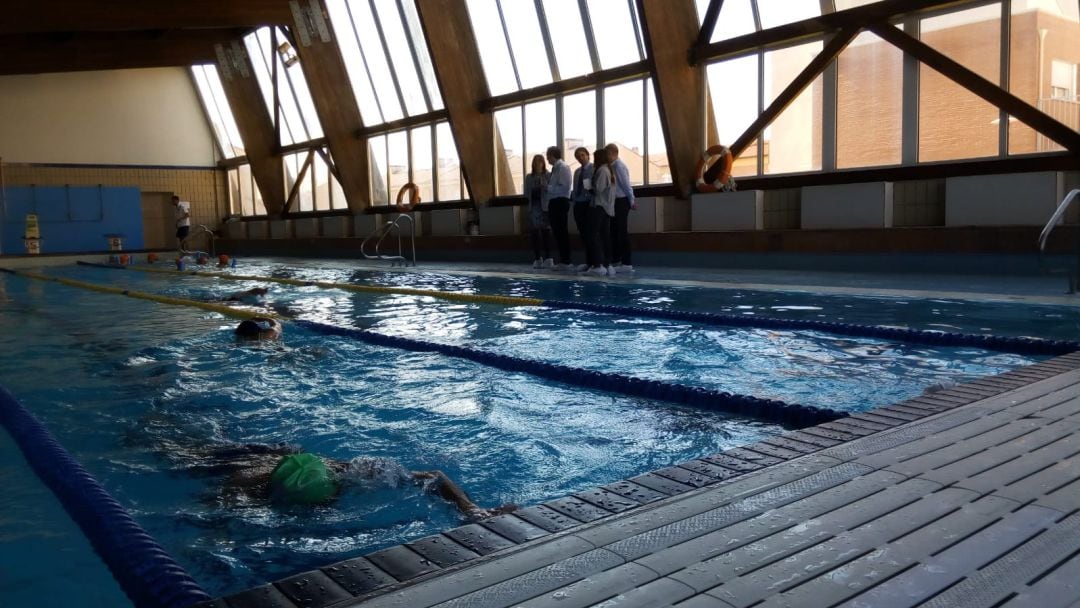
76,35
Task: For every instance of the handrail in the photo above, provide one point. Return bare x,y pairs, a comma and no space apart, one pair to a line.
383,232
210,242
1054,219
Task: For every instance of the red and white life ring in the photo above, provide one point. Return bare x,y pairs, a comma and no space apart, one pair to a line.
723,180
414,197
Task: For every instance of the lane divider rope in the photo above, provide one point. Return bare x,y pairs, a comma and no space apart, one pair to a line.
1009,344
772,410
145,572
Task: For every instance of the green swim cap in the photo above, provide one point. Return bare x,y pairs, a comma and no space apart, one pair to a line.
302,478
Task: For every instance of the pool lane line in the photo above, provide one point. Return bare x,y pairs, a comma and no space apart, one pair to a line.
443,295
230,311
145,572
1008,344
772,410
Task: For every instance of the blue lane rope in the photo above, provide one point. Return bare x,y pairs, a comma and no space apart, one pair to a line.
771,410
1021,346
146,573
1008,344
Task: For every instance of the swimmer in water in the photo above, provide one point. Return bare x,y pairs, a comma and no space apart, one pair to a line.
259,329
285,475
255,295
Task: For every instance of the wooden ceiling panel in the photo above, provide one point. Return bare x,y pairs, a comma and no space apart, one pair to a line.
42,16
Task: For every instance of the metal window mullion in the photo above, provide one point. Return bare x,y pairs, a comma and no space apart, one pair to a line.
1003,81
415,57
590,39
645,127
525,167
389,59
274,84
761,105
560,117
433,136
600,98
757,15
509,47
367,68
909,101
637,29
829,95
545,33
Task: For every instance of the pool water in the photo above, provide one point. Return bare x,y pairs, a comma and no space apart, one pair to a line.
137,391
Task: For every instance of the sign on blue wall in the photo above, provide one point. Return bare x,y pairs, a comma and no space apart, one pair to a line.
72,218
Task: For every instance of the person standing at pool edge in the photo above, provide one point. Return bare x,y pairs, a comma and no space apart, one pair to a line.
624,203
183,220
558,197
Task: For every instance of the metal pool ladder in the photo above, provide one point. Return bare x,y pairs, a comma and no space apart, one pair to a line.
210,238
383,232
1074,272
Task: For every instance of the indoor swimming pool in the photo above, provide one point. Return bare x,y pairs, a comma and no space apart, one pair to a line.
140,392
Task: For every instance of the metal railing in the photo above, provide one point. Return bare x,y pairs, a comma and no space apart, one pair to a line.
1065,110
211,237
1059,214
392,226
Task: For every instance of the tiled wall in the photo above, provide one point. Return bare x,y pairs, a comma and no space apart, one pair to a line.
782,209
204,187
919,203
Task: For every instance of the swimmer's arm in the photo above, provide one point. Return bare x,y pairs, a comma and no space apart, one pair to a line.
451,492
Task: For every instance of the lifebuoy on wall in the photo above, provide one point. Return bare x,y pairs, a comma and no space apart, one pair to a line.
414,197
723,181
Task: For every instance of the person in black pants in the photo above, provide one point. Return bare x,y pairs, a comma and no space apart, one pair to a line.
558,197
624,203
582,197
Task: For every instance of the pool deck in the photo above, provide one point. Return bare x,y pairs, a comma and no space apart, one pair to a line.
965,497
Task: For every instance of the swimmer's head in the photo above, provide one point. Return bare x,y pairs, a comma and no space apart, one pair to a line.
258,291
302,479
258,328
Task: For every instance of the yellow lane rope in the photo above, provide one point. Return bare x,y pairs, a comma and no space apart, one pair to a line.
432,293
142,295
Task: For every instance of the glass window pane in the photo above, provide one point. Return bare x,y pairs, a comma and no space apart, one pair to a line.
955,123
539,129
508,127
346,35
527,43
656,159
217,108
734,113
793,140
377,63
494,53
304,200
869,99
701,6
568,37
258,47
397,151
401,56
235,205
843,5
614,32
736,19
449,167
379,174
1043,58
579,123
412,21
321,177
779,12
624,126
337,194
421,162
246,187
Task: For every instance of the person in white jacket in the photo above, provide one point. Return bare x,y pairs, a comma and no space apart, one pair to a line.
602,214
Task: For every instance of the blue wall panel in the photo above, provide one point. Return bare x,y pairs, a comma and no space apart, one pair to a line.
73,218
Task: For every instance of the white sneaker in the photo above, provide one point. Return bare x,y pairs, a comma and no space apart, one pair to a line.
549,263
598,270
538,263
583,267
627,268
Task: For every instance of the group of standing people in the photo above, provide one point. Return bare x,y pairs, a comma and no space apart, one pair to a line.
601,196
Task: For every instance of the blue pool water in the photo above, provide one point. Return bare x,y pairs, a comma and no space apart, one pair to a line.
136,390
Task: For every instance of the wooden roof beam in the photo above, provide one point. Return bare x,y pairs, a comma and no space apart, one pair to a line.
41,53
40,16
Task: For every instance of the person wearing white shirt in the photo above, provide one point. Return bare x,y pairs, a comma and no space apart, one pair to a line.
183,220
602,214
581,195
624,202
558,198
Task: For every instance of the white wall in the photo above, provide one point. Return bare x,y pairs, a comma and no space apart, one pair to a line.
117,117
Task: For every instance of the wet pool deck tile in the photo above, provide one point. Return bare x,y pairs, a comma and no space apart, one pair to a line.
960,498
